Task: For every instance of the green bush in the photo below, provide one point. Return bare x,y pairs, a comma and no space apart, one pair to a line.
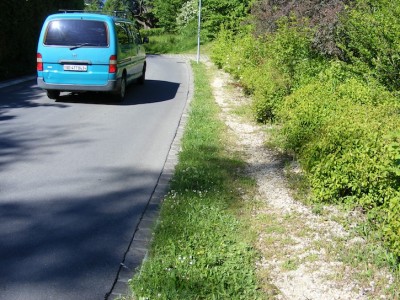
235,52
269,86
343,130
336,112
305,111
221,47
391,226
370,38
244,57
270,67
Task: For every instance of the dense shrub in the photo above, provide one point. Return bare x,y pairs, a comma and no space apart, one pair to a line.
271,66
370,38
337,114
391,225
233,52
246,59
343,130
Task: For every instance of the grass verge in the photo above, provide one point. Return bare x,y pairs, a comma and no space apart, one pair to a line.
170,43
161,42
201,249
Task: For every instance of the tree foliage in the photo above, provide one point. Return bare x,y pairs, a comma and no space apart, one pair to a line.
166,12
172,15
215,13
139,10
94,5
227,13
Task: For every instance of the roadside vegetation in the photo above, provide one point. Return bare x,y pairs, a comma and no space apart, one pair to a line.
327,76
324,74
161,42
201,249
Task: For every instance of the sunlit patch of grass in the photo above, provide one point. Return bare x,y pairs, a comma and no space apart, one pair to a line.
171,43
200,248
290,264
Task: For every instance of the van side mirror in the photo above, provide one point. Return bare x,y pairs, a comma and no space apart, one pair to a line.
145,40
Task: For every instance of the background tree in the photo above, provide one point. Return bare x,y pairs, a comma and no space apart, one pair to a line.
139,10
166,13
215,13
94,5
188,13
114,5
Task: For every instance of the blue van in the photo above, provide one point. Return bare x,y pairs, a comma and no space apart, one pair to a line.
80,52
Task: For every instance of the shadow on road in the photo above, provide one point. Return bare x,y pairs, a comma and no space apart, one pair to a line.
68,247
29,95
152,91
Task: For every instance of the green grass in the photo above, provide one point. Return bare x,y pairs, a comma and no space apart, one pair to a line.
185,41
201,249
170,43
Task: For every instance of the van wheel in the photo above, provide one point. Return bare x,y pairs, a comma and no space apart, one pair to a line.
120,93
52,94
142,78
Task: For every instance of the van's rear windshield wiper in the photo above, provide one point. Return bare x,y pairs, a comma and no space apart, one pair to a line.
81,45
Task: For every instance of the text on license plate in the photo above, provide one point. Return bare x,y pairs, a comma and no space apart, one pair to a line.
78,68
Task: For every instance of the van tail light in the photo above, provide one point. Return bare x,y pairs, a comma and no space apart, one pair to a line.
39,62
112,67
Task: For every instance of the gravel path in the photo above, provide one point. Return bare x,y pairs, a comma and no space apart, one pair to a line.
302,263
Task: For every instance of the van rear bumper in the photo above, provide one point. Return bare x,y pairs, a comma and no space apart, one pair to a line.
112,85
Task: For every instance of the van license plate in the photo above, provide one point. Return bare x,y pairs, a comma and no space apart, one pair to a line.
77,68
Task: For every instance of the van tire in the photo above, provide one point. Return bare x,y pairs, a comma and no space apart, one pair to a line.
52,94
119,95
142,77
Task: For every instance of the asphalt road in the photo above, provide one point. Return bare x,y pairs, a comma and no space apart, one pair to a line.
75,177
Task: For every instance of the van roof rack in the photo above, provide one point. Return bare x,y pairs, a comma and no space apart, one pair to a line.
115,13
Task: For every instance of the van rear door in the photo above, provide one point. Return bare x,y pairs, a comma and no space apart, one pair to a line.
76,52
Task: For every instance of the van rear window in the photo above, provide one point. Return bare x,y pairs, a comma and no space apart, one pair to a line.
76,33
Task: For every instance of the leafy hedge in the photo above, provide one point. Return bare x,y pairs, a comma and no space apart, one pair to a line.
338,115
20,25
